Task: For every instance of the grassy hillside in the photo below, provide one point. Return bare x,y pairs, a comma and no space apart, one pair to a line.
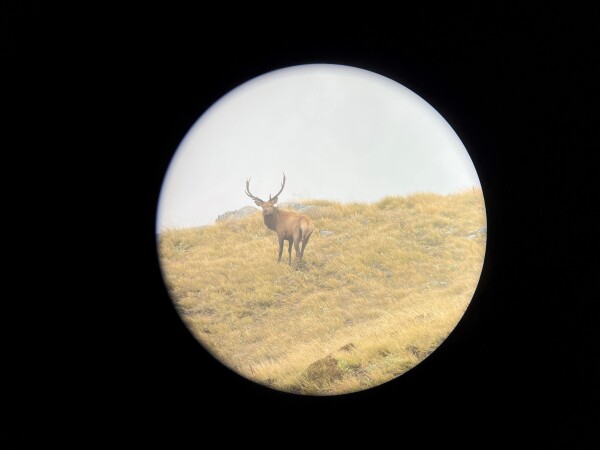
369,302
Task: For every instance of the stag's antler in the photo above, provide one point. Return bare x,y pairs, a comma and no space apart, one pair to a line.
249,194
280,190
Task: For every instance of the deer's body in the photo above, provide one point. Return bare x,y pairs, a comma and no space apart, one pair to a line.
289,225
292,227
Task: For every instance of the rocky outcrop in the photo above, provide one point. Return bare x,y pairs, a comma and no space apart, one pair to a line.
295,206
249,210
480,232
237,214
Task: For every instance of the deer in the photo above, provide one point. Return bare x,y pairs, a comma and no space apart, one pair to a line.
289,225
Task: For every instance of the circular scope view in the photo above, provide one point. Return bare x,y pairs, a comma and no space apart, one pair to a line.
321,229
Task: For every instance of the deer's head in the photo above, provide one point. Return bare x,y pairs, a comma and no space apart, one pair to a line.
268,207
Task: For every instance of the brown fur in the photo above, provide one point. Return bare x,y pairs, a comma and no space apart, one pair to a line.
289,225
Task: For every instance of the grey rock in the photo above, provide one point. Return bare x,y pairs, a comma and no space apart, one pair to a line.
326,232
295,206
480,231
237,214
249,210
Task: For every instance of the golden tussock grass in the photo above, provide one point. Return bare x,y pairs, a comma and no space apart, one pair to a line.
369,301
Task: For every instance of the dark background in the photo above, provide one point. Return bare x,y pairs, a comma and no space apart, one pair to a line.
104,354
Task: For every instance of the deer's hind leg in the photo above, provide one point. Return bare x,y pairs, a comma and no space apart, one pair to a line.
297,259
290,251
297,238
304,242
280,248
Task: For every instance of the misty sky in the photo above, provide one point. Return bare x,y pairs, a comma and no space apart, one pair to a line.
338,133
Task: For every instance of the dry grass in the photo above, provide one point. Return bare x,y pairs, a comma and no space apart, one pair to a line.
368,303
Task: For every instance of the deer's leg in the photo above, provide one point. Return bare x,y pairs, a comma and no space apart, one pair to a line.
280,248
304,242
290,251
297,247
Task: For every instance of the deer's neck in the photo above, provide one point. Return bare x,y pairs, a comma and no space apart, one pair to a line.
271,220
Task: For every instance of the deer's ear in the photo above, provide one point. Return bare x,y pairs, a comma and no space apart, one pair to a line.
258,202
273,200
